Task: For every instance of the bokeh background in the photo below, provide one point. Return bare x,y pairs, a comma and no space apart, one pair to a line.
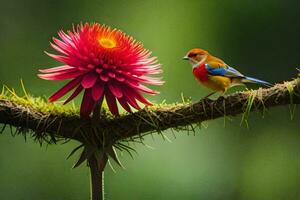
223,160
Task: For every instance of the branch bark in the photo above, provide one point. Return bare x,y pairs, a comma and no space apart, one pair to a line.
152,119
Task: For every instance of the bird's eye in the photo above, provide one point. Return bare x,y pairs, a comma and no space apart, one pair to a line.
192,55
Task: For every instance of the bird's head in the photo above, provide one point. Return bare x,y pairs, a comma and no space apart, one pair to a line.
196,55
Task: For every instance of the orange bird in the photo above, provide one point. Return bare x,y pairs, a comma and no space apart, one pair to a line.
214,73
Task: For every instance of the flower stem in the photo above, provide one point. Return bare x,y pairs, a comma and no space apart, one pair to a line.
97,180
97,166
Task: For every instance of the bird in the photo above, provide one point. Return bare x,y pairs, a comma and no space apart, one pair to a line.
215,74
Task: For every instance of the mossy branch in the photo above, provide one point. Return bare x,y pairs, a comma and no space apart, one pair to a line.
56,123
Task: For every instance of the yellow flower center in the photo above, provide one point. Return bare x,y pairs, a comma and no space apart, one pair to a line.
107,43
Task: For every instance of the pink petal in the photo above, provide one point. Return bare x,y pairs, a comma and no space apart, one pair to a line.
148,80
61,44
120,78
141,98
133,103
59,49
87,104
115,90
69,60
111,102
124,103
69,86
89,80
64,36
131,100
62,75
56,69
148,61
111,75
149,71
99,70
75,94
60,58
67,39
104,78
145,89
97,91
146,68
140,87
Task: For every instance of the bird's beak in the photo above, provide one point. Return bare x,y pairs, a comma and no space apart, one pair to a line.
185,58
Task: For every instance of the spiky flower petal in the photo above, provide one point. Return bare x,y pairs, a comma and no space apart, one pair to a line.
103,63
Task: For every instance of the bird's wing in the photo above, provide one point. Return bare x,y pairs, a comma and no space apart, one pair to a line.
225,70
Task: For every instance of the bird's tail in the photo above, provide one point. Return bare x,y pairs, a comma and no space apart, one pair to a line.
254,80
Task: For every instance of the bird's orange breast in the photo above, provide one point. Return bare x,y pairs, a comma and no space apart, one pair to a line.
201,73
217,83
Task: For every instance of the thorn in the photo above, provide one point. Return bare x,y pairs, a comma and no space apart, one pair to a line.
81,159
113,154
74,150
86,154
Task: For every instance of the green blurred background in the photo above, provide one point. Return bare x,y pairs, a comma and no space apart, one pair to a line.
218,162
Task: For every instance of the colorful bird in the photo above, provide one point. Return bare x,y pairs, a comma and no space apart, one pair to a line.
214,73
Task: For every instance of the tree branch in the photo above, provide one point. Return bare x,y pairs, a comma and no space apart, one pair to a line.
152,119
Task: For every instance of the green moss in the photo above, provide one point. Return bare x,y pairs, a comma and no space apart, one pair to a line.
292,106
41,104
37,103
251,97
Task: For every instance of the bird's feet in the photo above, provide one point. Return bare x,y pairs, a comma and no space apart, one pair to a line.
210,94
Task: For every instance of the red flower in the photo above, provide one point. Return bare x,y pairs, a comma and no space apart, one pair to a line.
104,63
